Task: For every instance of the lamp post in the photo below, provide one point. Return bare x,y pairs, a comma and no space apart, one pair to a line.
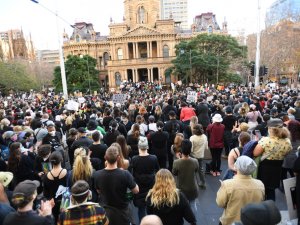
61,57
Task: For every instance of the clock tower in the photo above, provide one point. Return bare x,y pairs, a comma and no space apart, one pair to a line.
141,12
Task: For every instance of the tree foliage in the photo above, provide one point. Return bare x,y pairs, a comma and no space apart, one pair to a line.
16,77
81,74
207,58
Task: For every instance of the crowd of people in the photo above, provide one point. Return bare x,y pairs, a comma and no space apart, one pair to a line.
94,164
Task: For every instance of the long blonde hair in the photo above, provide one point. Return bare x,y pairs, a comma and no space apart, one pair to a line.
82,167
193,122
122,162
164,192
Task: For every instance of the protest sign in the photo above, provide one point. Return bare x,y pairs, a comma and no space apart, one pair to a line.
290,194
119,98
191,97
81,100
72,105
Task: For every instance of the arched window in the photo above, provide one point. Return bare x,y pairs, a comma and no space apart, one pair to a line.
105,58
77,38
120,53
118,79
141,13
165,51
209,29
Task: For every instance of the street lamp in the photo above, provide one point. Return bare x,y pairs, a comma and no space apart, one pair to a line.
61,57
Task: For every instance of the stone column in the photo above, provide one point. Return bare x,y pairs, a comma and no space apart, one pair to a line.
137,50
133,50
125,75
136,75
151,74
150,49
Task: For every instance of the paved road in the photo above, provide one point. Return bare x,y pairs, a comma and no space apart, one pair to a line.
208,211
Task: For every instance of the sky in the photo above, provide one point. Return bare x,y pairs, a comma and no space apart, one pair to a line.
44,26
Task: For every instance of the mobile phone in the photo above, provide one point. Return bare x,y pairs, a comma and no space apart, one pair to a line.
257,134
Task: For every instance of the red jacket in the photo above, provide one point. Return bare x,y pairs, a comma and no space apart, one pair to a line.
215,133
186,113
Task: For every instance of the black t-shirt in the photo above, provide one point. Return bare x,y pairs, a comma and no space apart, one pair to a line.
143,170
30,217
229,122
98,151
112,186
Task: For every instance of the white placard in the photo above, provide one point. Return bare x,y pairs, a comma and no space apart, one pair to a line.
81,100
290,194
209,98
119,98
72,105
191,97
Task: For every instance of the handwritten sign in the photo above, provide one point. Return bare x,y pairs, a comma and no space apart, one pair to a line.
119,98
191,97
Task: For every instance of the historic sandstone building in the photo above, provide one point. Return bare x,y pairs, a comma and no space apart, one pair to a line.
140,48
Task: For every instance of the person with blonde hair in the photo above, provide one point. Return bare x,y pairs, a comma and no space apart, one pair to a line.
167,202
273,149
188,131
82,167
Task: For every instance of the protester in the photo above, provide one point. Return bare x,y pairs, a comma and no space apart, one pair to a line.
186,169
23,197
237,192
167,202
273,148
215,132
112,184
143,166
199,146
82,211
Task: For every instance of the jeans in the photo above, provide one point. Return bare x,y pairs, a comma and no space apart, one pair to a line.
141,212
216,159
193,206
201,172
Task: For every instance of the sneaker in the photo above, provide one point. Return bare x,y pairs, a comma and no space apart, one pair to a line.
218,173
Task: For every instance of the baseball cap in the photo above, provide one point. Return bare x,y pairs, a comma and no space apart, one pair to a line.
264,213
81,130
26,188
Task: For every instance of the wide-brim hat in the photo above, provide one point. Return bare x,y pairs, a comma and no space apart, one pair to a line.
275,123
6,178
217,118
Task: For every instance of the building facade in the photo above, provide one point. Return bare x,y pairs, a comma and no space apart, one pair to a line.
140,48
282,62
50,57
14,46
177,10
283,10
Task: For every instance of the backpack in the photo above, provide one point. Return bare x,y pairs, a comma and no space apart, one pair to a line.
4,152
175,128
249,148
65,193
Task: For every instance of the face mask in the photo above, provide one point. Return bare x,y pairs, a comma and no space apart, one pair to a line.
52,133
124,120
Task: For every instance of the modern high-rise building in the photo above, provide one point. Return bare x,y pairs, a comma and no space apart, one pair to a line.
177,10
283,10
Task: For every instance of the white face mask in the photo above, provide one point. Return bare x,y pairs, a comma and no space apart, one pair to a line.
52,133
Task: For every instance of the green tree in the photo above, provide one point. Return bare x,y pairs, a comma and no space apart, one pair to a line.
207,58
81,74
16,77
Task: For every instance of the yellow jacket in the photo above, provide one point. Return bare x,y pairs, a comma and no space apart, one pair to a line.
235,193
